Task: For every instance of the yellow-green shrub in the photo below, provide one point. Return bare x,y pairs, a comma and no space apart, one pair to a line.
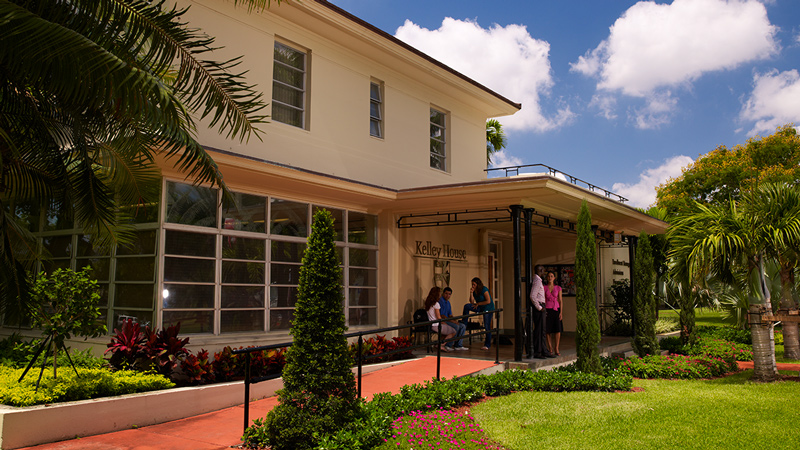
90,383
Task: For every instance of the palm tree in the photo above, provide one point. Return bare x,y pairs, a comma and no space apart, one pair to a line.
710,241
776,209
90,92
495,139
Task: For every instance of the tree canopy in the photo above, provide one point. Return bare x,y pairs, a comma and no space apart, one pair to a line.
725,174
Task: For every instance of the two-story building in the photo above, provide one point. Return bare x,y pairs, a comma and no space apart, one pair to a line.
388,139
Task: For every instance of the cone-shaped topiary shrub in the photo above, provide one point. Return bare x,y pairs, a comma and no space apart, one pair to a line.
319,393
587,335
644,301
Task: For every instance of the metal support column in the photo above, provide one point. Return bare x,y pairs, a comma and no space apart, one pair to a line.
518,324
632,242
528,283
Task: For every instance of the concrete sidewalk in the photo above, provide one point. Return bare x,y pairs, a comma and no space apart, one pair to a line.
223,429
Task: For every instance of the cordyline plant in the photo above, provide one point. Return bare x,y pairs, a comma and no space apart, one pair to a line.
66,304
135,348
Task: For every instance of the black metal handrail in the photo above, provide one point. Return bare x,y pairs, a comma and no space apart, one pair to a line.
514,170
359,358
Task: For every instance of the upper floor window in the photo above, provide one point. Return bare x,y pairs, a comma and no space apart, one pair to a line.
438,139
289,86
376,109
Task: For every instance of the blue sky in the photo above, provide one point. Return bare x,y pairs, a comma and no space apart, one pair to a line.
619,93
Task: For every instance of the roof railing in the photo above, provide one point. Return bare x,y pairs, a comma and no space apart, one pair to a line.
511,171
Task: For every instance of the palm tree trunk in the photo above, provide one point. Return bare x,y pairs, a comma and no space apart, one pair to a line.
763,345
791,337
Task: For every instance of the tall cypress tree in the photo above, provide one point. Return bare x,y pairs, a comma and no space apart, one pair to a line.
644,301
587,336
319,393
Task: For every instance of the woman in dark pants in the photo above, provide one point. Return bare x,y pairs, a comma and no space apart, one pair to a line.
482,301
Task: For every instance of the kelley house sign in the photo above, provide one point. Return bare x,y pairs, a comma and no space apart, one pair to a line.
426,249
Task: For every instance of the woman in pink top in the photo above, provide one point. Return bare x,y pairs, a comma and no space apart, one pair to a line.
553,303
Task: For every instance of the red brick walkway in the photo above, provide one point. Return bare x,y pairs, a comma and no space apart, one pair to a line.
222,429
791,367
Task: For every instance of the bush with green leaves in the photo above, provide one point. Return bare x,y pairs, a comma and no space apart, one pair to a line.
319,394
667,325
65,305
88,383
677,366
727,333
620,291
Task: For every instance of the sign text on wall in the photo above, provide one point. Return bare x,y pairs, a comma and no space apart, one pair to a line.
427,249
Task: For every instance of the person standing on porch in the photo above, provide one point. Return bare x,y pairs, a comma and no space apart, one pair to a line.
539,349
446,310
432,307
480,297
553,304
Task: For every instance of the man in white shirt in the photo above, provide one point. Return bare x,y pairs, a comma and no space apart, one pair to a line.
537,300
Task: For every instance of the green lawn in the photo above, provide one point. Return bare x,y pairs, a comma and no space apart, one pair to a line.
702,316
729,412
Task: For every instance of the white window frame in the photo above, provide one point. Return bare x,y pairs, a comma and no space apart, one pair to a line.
302,89
376,106
442,156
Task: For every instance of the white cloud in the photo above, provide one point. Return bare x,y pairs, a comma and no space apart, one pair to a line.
643,193
503,159
654,47
775,101
658,110
505,59
605,104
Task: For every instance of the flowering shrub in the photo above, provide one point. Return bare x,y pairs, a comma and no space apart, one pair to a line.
721,349
677,366
436,429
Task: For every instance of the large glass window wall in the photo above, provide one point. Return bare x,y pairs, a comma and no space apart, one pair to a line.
126,274
232,265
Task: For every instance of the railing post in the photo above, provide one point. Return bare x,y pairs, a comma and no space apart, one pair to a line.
497,333
438,350
360,344
246,390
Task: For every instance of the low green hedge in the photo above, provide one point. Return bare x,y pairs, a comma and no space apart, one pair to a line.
677,366
90,383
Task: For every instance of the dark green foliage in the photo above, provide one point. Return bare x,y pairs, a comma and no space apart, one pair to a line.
728,333
672,344
644,302
319,394
587,335
623,300
686,319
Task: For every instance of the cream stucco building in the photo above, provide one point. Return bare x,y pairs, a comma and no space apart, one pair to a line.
388,139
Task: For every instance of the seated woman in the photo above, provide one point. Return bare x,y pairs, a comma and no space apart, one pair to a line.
432,307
